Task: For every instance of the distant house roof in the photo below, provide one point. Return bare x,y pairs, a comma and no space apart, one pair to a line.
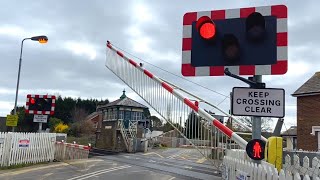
309,88
93,116
290,132
124,101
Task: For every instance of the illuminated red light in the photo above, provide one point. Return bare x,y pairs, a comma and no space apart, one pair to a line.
32,101
207,30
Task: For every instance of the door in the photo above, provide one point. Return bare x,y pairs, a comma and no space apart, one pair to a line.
126,119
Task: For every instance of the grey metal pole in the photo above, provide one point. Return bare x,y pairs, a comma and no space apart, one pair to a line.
17,89
40,127
256,121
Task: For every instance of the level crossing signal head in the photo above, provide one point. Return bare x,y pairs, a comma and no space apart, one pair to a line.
249,41
40,104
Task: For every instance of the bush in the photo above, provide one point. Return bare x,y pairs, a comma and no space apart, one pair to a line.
61,128
81,128
53,122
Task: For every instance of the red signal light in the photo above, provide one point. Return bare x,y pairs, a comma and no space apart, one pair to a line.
206,28
32,101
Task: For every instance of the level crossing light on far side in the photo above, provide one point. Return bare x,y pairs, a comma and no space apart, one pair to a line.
41,39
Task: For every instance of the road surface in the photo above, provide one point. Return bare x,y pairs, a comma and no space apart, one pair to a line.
168,164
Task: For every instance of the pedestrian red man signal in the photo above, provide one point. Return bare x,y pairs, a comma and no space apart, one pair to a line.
255,149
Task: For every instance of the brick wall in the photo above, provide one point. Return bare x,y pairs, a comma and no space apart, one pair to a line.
308,115
107,138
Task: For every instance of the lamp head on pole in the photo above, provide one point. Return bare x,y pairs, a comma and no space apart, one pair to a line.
41,39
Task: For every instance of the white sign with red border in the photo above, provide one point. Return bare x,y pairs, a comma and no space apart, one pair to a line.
24,143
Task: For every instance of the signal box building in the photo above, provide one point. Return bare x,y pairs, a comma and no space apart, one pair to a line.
121,123
308,114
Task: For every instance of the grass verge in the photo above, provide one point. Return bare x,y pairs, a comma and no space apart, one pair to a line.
22,165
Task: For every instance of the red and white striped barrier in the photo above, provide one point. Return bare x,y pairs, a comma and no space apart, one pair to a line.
70,151
228,132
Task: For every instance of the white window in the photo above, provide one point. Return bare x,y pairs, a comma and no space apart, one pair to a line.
139,116
121,114
109,114
105,116
136,116
114,114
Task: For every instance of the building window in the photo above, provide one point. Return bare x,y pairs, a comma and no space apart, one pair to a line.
114,114
121,114
294,143
105,116
137,116
109,114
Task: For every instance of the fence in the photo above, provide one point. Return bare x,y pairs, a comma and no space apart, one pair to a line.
237,165
24,148
294,165
69,151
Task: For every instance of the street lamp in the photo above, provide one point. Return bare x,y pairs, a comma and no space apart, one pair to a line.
41,39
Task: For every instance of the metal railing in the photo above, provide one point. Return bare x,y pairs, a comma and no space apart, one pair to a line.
124,134
133,128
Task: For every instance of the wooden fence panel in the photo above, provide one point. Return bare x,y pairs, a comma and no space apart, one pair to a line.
24,148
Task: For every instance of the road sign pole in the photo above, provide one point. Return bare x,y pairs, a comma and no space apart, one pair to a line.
256,121
40,127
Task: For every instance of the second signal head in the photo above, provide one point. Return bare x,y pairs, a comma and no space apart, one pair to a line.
206,28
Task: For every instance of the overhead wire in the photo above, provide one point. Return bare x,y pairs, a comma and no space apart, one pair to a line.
172,73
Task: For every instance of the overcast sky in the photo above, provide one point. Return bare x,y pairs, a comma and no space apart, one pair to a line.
72,62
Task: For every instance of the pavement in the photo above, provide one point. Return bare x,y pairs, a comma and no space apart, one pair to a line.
161,164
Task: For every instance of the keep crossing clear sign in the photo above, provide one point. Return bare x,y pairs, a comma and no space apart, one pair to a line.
268,102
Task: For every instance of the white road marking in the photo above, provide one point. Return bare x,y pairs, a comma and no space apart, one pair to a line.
188,167
85,176
48,174
172,178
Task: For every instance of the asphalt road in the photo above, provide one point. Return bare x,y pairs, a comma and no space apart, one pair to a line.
169,164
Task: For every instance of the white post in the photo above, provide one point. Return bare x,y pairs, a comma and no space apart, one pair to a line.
40,127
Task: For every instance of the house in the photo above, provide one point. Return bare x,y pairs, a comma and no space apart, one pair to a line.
94,118
121,123
308,114
290,138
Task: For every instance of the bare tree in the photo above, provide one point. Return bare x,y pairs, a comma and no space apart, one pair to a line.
81,125
79,114
265,124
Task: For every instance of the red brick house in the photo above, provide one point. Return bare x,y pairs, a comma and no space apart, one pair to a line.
94,118
308,114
